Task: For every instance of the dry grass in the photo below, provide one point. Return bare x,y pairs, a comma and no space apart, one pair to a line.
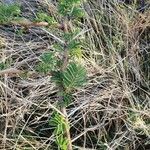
111,112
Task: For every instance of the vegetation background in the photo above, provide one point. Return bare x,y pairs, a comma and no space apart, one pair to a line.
111,111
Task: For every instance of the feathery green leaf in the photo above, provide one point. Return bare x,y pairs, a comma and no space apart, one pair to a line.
74,76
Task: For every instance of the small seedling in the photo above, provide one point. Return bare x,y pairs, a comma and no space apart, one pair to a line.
61,64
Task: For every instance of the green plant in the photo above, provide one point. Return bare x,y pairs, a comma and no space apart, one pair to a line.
139,123
9,12
44,17
70,8
62,64
47,64
59,124
2,66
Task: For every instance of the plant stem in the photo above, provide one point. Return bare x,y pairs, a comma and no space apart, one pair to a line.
62,89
